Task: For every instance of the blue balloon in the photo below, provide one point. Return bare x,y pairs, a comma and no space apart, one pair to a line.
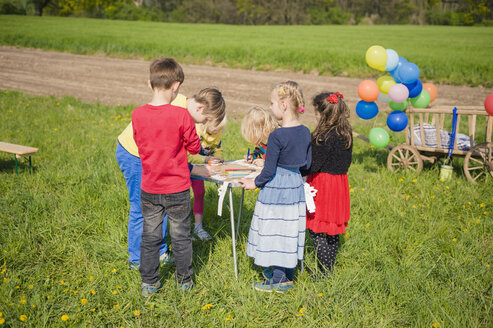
366,110
395,73
397,121
414,88
392,60
408,73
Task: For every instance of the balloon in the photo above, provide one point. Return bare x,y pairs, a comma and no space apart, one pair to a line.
432,90
384,83
376,57
398,106
408,73
397,121
414,88
395,72
382,97
421,101
368,90
398,92
488,104
366,110
379,138
392,60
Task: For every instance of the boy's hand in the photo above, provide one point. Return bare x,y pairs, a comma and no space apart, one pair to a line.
247,184
202,171
259,162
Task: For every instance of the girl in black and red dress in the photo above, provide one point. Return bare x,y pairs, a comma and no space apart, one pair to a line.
332,144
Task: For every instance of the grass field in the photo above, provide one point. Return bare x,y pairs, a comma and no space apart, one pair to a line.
453,55
417,251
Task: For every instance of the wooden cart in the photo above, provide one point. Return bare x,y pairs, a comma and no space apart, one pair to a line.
478,161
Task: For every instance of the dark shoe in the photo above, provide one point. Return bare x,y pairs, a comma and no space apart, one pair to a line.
186,287
150,289
269,286
268,274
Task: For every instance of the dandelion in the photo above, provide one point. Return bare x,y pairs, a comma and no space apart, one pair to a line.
468,203
432,196
151,306
116,306
401,179
22,301
30,286
454,239
62,282
93,292
1,314
136,313
93,309
5,280
465,230
56,129
362,189
83,301
487,265
114,270
64,317
3,271
485,212
300,312
481,205
2,321
105,275
367,225
115,292
33,306
477,221
346,235
436,324
118,287
17,287
414,180
407,197
320,294
91,278
447,187
351,190
206,307
23,317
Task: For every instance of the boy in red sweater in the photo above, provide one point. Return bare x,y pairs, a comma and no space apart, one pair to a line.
163,134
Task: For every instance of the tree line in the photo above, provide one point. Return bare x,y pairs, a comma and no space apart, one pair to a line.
266,12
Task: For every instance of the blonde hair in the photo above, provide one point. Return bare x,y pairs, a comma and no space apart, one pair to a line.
292,93
257,124
214,107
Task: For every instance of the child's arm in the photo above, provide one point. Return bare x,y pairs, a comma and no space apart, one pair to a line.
191,139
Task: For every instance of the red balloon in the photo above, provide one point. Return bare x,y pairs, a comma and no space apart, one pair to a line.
488,104
368,90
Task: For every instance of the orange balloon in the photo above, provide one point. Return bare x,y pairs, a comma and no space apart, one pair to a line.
432,90
368,90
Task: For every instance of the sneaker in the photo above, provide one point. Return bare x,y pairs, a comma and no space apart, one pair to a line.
133,266
202,234
186,287
268,274
166,258
150,289
269,286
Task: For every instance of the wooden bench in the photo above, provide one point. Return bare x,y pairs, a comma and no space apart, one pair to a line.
19,151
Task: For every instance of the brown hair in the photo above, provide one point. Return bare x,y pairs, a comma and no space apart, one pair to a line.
333,117
292,93
257,124
214,107
164,72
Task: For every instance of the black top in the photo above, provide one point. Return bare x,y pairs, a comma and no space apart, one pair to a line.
287,147
330,156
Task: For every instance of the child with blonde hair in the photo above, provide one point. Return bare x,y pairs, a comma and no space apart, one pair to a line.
277,232
210,138
256,127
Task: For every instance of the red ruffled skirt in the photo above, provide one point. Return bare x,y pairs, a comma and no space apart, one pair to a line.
332,203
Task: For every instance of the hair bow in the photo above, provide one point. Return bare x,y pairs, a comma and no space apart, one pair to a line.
333,99
281,91
301,110
340,95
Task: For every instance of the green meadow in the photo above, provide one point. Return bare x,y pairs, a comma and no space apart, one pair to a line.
417,252
444,54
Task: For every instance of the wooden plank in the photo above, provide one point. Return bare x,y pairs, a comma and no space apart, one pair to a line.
437,130
427,116
442,150
471,120
421,129
17,149
489,128
448,110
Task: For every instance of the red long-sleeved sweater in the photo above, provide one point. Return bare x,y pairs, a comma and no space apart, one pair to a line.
163,135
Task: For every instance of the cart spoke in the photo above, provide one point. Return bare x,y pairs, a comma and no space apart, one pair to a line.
475,168
477,176
476,160
412,168
400,153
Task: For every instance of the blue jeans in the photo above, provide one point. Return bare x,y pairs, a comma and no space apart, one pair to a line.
132,171
178,208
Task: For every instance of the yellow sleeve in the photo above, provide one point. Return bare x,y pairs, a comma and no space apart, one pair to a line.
180,101
126,139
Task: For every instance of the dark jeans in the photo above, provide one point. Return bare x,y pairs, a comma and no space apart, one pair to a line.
178,208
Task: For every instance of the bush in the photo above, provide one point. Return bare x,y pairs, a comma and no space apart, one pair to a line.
9,7
128,11
333,15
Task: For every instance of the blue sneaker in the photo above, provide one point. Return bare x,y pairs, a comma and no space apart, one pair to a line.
269,286
186,287
268,274
133,266
150,289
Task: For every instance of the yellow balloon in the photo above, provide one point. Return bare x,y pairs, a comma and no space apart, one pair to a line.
376,57
384,83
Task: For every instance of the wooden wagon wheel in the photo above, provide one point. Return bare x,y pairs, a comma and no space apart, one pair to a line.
478,164
404,158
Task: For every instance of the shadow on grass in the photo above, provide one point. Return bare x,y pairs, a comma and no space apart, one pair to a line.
8,166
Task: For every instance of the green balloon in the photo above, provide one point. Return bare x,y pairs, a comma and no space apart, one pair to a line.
422,100
379,138
399,106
